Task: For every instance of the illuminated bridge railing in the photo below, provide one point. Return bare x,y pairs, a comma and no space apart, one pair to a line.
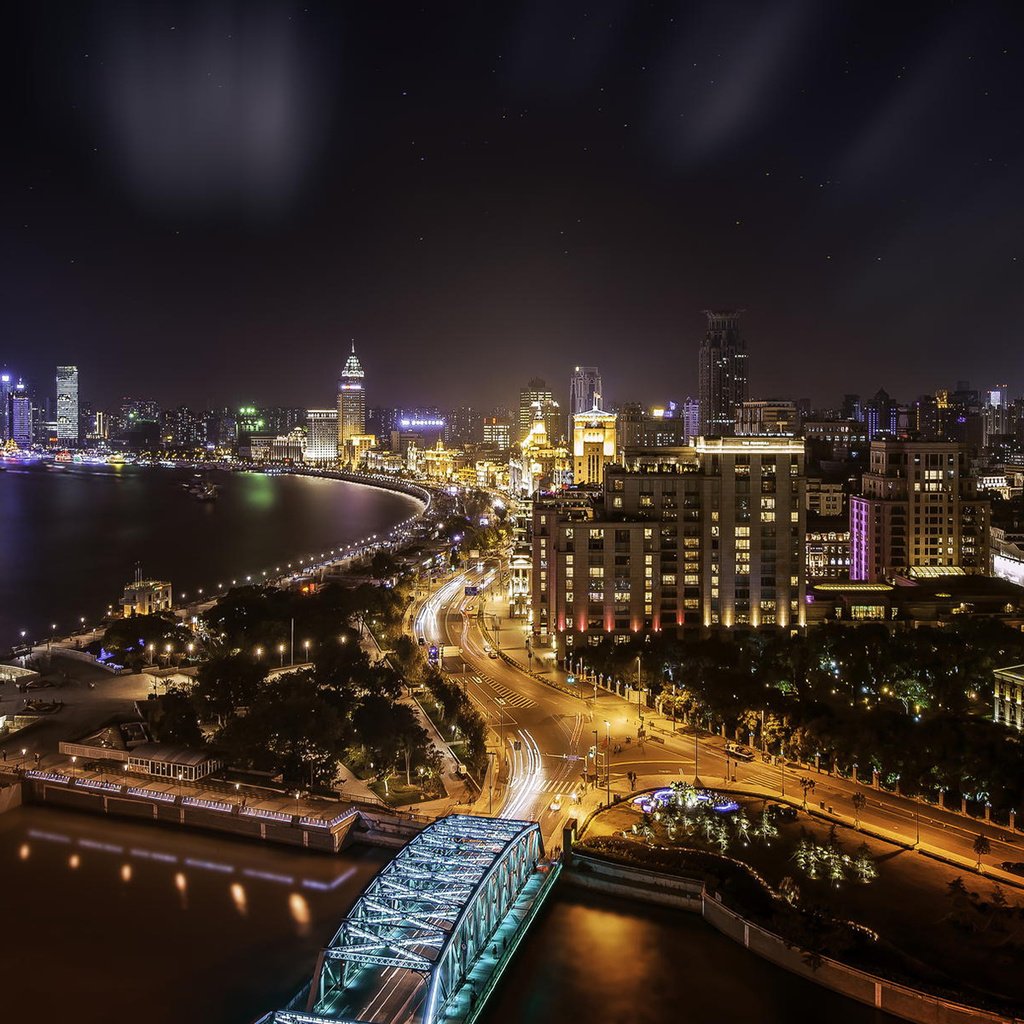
408,944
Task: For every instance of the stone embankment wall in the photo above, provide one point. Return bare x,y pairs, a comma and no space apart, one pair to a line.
690,894
350,825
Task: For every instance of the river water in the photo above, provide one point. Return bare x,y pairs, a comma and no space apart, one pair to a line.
70,537
111,922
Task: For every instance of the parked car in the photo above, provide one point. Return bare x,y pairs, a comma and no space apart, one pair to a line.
1015,866
783,812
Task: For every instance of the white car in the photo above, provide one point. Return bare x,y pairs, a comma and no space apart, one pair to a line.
556,804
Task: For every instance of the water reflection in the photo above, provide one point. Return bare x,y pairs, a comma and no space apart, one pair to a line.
245,922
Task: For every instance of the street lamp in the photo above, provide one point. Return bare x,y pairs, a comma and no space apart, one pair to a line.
639,693
305,647
608,762
280,651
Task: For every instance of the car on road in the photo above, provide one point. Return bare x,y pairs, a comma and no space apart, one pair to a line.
556,804
490,651
422,641
783,812
739,752
1014,866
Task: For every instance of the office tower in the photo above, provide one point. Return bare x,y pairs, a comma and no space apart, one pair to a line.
321,435
593,445
535,394
691,419
67,404
723,372
852,409
6,391
20,416
351,402
881,414
497,430
585,391
707,535
918,513
995,414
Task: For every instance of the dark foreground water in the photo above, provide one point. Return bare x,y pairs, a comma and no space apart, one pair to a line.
109,922
70,537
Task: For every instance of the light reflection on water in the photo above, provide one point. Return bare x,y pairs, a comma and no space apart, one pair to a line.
196,927
88,526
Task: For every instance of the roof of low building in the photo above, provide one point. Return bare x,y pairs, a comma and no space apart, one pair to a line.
170,753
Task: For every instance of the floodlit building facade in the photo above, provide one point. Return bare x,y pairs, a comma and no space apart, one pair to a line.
702,536
321,436
351,402
1008,697
593,446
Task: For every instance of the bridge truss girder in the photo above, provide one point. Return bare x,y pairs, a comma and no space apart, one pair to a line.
432,909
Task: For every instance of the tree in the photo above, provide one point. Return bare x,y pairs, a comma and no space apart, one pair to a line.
805,785
138,638
859,802
226,684
174,719
981,847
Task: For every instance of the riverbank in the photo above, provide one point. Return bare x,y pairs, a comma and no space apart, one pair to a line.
627,853
261,527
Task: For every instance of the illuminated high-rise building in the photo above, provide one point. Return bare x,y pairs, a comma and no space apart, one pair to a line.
321,435
535,395
585,391
6,391
20,416
723,372
67,404
351,402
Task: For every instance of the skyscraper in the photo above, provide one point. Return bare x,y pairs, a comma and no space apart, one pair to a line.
585,391
535,393
6,390
351,401
322,435
67,404
20,417
723,372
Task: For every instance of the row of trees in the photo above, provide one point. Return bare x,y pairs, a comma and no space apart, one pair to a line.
914,705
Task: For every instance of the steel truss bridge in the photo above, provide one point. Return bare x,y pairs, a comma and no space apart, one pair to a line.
431,934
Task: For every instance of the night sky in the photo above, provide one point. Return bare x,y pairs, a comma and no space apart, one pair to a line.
206,202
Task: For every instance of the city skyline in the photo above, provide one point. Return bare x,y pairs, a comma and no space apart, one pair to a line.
677,173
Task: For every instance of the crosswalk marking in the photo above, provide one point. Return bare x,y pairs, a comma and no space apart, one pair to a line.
512,700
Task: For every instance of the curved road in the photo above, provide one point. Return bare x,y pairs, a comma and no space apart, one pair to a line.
556,730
